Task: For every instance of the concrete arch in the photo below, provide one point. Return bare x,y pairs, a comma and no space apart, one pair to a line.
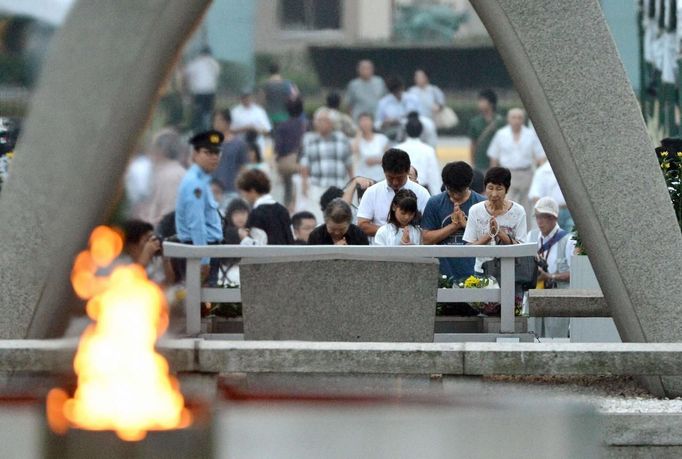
565,66
101,78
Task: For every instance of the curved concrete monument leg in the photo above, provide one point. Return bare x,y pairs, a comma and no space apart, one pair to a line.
96,93
566,68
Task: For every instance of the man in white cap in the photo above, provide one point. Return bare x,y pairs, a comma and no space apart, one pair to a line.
555,248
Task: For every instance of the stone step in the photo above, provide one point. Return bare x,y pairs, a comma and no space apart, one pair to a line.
473,359
567,303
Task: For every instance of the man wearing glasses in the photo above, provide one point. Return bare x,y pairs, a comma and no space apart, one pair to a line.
197,220
445,217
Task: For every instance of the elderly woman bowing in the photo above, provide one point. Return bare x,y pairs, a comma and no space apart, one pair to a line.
337,228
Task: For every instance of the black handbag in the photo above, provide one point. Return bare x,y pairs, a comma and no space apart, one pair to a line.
525,271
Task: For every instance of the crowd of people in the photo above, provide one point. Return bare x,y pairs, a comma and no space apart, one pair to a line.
363,170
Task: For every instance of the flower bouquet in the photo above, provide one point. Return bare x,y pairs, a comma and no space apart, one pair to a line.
488,309
474,281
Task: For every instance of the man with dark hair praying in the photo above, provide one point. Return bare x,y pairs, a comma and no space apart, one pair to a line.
445,217
376,202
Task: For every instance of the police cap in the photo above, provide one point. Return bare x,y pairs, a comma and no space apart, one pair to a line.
207,139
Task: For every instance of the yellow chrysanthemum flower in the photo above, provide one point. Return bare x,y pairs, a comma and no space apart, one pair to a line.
472,282
10,155
679,154
664,154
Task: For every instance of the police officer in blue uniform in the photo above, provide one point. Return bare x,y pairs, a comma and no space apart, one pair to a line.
197,219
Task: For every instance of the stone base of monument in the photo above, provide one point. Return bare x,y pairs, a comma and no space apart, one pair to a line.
593,329
336,298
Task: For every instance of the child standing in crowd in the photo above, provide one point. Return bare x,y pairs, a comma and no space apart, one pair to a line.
403,218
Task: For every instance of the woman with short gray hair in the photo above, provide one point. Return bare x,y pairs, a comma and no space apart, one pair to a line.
337,228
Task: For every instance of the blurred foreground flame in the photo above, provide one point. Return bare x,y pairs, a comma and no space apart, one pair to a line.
123,384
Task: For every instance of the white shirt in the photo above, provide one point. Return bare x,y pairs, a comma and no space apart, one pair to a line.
389,107
428,96
429,134
202,75
513,222
553,256
387,235
372,149
138,179
423,158
253,116
545,185
515,155
376,202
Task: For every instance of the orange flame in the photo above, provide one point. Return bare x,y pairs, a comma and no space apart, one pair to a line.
123,384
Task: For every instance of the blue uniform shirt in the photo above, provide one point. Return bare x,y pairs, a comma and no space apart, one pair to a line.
437,215
196,212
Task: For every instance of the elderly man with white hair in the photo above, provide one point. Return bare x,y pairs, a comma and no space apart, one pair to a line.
517,148
326,160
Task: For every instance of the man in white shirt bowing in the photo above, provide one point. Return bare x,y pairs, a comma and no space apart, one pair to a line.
517,148
376,202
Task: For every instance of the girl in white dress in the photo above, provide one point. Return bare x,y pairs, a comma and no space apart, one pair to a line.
402,227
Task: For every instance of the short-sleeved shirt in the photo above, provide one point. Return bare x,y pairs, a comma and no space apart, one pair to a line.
287,136
389,234
277,94
362,96
372,149
328,159
390,107
559,256
253,116
423,158
428,96
513,222
545,184
512,154
354,236
437,215
202,75
196,212
376,202
234,155
477,127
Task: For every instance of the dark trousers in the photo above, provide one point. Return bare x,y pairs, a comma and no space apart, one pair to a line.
202,110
